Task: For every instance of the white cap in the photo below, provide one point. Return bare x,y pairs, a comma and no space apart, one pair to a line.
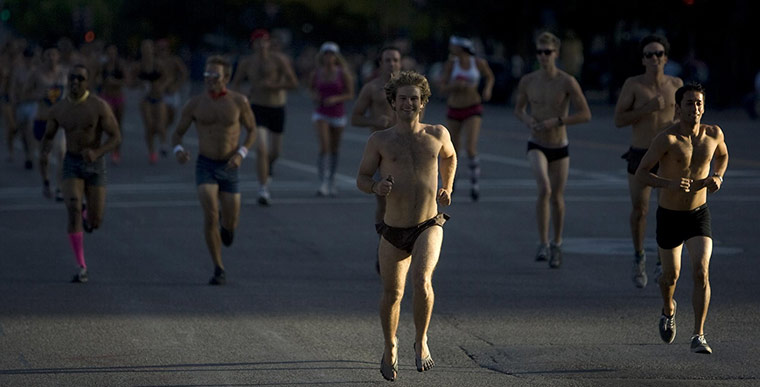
329,46
464,43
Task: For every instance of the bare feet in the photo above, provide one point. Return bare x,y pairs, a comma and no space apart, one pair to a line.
389,362
423,362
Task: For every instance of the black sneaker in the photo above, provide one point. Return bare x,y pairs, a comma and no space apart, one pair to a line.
668,326
555,256
699,345
219,278
80,277
475,193
542,254
227,235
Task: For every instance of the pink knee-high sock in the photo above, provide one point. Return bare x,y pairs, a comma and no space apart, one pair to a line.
77,244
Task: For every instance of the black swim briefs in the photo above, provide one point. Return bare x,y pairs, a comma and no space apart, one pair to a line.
552,154
272,118
634,156
404,238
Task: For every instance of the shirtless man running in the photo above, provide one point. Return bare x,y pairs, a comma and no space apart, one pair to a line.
647,104
271,75
549,91
84,118
408,153
684,152
218,115
372,100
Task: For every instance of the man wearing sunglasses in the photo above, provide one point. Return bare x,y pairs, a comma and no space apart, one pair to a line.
550,91
218,115
85,118
647,104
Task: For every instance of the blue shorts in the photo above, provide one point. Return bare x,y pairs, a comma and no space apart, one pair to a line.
208,171
75,167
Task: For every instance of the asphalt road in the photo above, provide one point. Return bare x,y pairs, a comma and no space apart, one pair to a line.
300,307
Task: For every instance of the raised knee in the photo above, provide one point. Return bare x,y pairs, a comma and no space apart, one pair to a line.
544,192
422,283
701,278
393,296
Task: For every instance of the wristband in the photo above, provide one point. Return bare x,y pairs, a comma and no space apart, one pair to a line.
719,177
178,148
243,151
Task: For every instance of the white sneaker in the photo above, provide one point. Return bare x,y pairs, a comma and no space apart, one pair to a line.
324,189
264,198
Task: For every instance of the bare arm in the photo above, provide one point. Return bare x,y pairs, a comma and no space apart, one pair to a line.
110,128
625,114
368,166
185,120
447,166
580,105
521,104
362,104
488,76
348,90
288,79
719,165
248,121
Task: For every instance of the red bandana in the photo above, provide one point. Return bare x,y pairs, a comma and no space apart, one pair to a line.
216,95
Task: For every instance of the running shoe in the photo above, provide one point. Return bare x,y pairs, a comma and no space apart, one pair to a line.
542,254
324,189
333,189
227,235
264,198
699,345
640,271
668,325
80,277
555,256
28,164
475,192
153,158
219,278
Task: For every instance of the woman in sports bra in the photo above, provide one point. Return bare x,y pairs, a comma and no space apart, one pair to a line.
331,86
461,78
152,107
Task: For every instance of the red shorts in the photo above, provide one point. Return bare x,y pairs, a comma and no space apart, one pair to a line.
461,114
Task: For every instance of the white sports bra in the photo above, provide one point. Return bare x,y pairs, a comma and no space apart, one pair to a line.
471,75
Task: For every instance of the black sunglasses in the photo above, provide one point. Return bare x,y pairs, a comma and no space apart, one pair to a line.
544,52
77,77
658,54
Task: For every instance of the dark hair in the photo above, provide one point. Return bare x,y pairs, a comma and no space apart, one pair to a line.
691,86
384,49
221,61
83,67
654,39
407,78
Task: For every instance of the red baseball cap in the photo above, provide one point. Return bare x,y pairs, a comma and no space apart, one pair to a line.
258,34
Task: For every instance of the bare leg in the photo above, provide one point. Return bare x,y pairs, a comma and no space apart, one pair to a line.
73,193
394,266
275,148
540,167
208,194
425,256
96,204
671,269
640,200
262,156
700,250
230,203
558,171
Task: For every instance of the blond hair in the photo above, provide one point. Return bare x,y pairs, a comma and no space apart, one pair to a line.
547,37
407,78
